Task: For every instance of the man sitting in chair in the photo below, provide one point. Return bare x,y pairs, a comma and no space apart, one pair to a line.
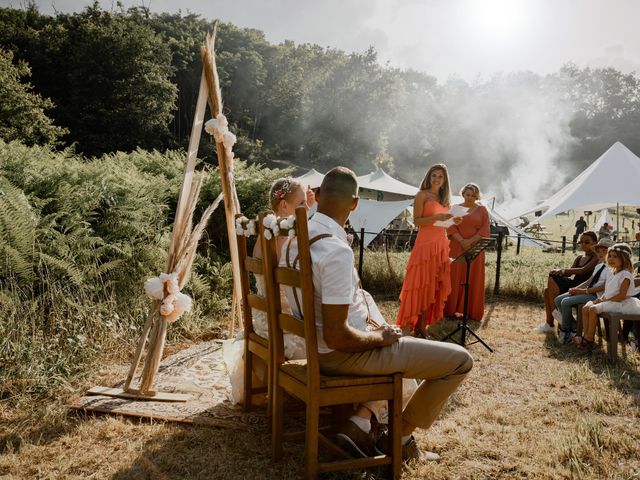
347,342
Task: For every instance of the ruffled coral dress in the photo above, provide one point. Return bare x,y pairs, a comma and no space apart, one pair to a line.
427,283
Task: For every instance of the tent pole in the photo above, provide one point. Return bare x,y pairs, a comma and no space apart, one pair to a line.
617,221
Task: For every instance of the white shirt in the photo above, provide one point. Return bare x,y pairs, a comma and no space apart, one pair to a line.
606,272
335,279
612,287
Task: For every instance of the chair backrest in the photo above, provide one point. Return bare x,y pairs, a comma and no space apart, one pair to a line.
301,281
249,264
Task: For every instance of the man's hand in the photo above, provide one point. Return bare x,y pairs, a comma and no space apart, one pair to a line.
457,220
311,196
389,334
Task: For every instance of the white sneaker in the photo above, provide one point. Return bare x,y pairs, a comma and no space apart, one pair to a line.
544,328
557,315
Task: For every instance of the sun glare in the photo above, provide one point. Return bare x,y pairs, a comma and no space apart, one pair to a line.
497,18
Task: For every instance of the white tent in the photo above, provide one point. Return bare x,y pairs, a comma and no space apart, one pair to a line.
373,216
382,182
603,218
312,178
526,241
613,179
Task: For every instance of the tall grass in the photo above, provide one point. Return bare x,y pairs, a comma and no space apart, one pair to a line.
78,238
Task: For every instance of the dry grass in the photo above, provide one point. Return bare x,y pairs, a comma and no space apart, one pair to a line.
532,409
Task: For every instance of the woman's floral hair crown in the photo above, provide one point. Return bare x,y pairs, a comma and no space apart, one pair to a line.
621,248
281,191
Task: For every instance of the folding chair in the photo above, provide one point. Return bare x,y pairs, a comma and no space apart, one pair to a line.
303,380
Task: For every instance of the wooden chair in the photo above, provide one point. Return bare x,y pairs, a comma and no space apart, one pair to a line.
614,319
614,324
303,380
254,344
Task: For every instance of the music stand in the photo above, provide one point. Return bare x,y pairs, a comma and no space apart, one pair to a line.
469,256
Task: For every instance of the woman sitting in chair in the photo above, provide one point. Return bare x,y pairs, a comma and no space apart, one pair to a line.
560,281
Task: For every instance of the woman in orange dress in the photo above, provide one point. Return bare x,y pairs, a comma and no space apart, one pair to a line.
427,282
474,226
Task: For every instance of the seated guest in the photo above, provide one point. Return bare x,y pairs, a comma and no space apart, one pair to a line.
285,196
604,231
348,345
583,293
559,281
618,297
628,325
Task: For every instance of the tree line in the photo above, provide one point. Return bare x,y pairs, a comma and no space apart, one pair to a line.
117,80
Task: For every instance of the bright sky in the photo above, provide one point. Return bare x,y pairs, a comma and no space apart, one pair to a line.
466,38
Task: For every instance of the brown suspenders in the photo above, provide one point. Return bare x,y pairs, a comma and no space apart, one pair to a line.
295,263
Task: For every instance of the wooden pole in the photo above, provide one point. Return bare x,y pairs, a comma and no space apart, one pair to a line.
617,221
225,165
159,329
496,287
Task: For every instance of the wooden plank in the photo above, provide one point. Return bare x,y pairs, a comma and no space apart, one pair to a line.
288,276
253,265
257,302
136,395
289,323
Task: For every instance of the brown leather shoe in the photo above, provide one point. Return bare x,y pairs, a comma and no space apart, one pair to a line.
355,441
410,451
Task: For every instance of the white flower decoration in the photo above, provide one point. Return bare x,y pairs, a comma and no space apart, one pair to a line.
228,140
284,224
268,220
175,303
268,235
292,233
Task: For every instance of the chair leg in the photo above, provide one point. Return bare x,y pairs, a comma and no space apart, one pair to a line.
395,427
269,390
614,324
248,380
276,420
311,438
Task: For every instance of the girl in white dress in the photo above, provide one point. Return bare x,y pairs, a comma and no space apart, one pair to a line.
618,296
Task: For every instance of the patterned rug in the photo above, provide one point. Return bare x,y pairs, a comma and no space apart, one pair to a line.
199,371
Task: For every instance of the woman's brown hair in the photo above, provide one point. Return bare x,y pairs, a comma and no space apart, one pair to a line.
444,193
282,189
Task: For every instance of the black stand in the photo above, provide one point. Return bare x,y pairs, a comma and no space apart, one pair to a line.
468,257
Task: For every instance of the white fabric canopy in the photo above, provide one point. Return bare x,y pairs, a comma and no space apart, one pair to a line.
526,241
604,217
612,179
312,178
373,216
380,181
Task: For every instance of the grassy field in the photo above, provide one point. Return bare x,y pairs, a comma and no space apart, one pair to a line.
521,276
531,410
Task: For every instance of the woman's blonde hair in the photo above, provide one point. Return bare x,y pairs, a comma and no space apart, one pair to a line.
471,186
444,193
282,189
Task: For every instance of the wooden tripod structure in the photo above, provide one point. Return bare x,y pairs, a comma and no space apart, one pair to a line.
155,328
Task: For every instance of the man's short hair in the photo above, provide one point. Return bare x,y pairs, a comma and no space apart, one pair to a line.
340,184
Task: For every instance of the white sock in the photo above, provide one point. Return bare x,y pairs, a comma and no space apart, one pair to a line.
405,439
362,423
